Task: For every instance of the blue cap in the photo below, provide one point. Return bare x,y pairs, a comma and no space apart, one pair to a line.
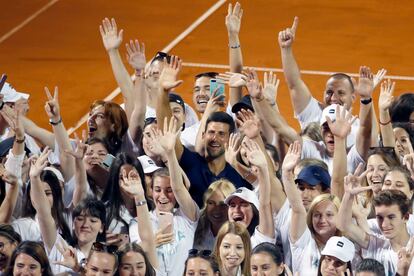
314,175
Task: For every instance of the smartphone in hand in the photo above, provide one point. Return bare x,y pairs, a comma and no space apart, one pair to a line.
165,220
218,87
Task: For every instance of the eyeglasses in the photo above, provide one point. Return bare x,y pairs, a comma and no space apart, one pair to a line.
199,253
100,247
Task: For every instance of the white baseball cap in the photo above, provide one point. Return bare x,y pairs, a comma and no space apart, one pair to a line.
245,194
340,248
330,111
148,165
11,95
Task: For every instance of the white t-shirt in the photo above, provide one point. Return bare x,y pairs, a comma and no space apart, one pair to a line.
282,230
379,248
258,238
28,229
172,256
189,135
127,225
305,255
313,149
54,255
190,115
313,113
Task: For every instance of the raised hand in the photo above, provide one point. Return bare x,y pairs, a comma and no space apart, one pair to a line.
232,149
365,83
408,161
287,36
405,257
170,134
352,182
81,147
386,95
271,84
52,105
255,156
110,36
154,145
341,127
69,254
136,54
233,19
38,164
249,124
254,87
292,157
13,119
168,78
7,176
379,76
131,184
215,102
234,80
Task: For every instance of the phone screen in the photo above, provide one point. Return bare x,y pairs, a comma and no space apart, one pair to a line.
214,84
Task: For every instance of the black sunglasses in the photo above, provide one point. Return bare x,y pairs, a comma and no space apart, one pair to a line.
199,253
160,56
100,247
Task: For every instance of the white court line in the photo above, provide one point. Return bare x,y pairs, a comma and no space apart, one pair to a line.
167,48
305,72
27,20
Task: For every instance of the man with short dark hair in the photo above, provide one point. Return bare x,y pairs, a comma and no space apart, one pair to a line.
392,211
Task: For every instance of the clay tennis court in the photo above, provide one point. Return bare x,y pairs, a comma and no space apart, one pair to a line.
48,43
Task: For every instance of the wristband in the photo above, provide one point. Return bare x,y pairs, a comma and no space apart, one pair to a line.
235,46
138,73
384,124
140,203
2,105
55,123
20,141
366,101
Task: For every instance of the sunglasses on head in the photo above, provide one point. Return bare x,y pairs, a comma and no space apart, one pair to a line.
161,56
199,253
100,247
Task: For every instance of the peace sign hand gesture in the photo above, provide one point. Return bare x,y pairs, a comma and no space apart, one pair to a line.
52,105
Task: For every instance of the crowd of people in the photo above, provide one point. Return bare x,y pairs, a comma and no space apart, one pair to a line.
228,187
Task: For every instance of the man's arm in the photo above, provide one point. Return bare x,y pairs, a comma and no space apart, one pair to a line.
299,92
168,81
365,89
384,102
233,21
344,223
136,122
340,128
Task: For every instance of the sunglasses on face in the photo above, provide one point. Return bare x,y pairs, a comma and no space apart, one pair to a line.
161,56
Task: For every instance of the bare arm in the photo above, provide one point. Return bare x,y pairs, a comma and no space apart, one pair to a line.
233,21
365,89
131,184
10,199
39,199
258,159
112,40
384,103
299,92
168,81
183,197
298,219
340,128
136,122
52,108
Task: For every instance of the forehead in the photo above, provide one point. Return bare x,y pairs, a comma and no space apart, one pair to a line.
102,260
98,109
385,210
396,176
132,257
376,159
325,206
400,132
232,238
162,181
261,258
338,84
24,258
216,196
174,105
237,200
3,239
218,126
198,263
97,147
203,81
